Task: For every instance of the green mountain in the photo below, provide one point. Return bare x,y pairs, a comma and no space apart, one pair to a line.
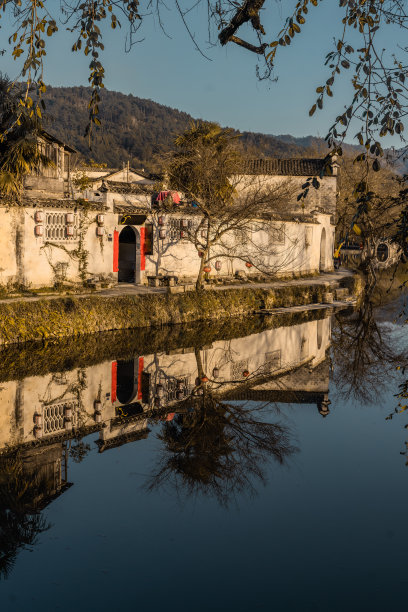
138,130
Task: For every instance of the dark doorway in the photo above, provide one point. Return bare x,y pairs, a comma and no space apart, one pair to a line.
129,265
126,387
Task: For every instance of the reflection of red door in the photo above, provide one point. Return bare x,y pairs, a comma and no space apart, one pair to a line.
114,379
115,251
139,378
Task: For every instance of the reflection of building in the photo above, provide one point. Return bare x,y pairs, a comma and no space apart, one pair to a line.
45,470
303,385
118,398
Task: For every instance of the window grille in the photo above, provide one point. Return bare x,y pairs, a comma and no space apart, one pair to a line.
56,227
176,227
54,416
172,387
237,369
277,234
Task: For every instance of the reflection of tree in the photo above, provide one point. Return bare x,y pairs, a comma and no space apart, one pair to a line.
78,450
363,352
20,504
217,448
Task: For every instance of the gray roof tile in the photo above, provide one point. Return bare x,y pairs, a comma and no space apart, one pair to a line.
285,167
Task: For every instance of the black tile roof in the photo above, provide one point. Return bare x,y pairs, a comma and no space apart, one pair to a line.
38,202
120,187
285,167
129,208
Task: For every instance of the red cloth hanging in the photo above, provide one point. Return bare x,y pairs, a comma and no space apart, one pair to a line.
165,194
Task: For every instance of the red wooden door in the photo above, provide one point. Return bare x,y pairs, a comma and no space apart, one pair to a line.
115,251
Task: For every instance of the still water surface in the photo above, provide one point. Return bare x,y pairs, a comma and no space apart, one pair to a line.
278,484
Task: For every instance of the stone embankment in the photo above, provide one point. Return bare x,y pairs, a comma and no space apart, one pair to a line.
50,319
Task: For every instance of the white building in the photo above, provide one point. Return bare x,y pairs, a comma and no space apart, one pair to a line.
116,229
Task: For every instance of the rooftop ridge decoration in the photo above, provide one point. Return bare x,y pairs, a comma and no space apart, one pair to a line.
285,167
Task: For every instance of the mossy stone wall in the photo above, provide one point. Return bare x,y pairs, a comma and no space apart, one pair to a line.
47,319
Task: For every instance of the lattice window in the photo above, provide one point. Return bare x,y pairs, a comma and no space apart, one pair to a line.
237,369
176,226
272,362
174,232
172,387
55,416
277,234
56,227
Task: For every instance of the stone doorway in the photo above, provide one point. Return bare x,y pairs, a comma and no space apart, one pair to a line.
129,255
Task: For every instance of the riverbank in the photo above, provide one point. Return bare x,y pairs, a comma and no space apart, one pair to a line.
53,318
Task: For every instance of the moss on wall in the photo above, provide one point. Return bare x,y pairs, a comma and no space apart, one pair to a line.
51,319
40,358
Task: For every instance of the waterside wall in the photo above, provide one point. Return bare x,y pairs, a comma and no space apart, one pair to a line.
50,319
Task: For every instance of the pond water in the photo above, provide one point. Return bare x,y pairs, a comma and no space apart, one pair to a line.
256,465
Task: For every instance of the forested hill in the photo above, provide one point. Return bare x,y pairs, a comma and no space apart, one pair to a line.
136,130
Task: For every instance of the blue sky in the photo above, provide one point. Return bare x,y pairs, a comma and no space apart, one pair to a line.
224,88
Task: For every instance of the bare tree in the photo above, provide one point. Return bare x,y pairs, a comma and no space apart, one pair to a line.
236,212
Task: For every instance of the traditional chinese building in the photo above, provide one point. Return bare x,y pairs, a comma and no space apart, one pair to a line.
117,226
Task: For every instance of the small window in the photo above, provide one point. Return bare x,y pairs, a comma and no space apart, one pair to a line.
149,239
382,252
308,236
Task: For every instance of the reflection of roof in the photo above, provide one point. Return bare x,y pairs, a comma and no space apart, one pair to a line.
104,445
281,396
52,439
46,500
285,167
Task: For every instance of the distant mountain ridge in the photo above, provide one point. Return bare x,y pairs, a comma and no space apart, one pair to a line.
136,130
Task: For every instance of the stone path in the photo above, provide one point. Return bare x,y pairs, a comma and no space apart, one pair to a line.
129,289
327,278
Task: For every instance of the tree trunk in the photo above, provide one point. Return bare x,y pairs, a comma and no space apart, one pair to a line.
199,281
